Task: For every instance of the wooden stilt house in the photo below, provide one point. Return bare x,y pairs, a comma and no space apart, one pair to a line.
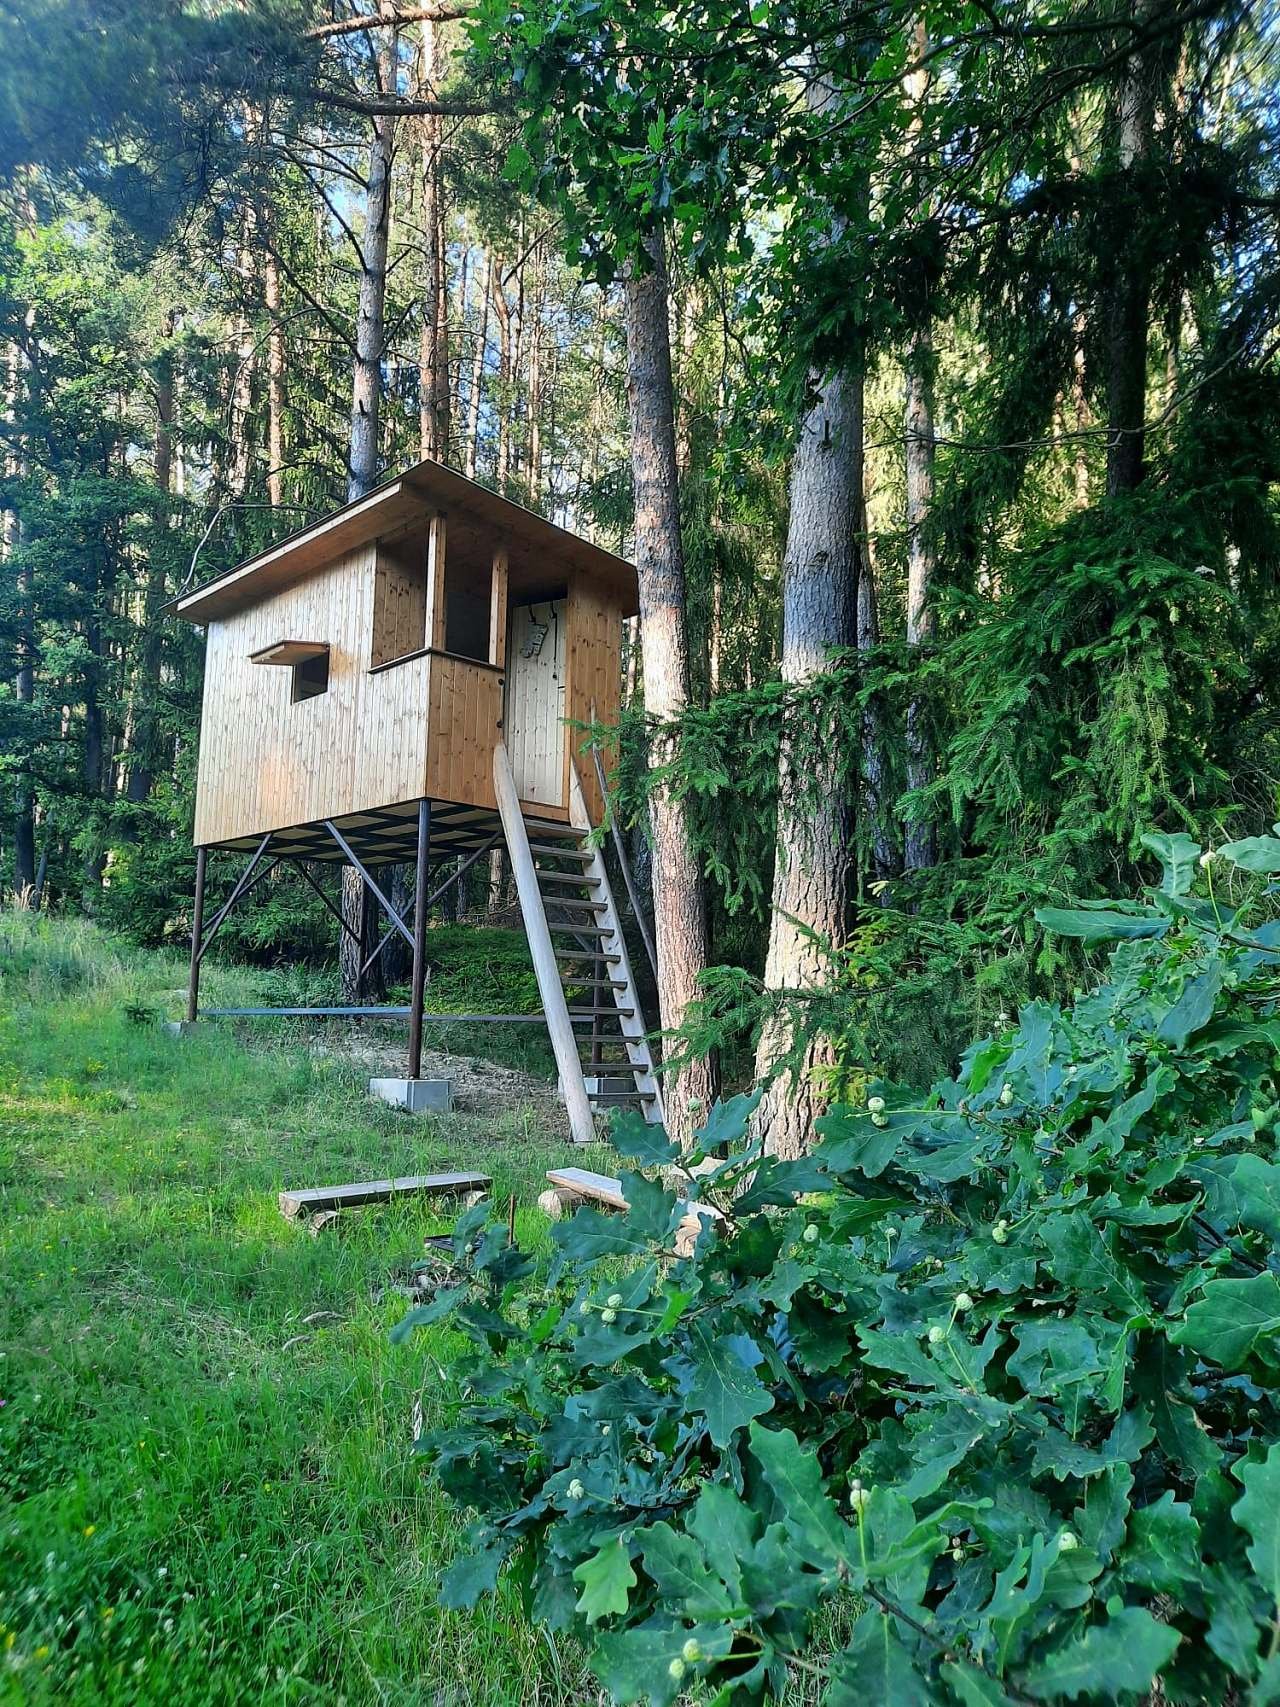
398,683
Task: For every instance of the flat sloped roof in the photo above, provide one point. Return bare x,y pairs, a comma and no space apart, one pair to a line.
531,541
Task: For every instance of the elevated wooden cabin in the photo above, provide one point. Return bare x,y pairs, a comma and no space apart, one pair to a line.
401,681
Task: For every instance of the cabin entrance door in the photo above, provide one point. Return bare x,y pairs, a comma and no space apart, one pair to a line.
535,700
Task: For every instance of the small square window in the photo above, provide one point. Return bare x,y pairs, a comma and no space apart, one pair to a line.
311,676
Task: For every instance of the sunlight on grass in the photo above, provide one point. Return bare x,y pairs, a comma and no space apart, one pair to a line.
208,1492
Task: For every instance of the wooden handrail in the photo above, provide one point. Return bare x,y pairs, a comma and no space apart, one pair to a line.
582,1126
437,652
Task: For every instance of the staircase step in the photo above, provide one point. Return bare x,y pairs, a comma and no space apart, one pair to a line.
609,1012
576,879
539,827
561,853
580,929
587,954
577,906
616,1098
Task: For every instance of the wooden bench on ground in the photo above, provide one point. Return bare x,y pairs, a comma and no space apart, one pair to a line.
572,1186
317,1198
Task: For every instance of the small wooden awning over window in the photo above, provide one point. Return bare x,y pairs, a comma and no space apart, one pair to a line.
290,652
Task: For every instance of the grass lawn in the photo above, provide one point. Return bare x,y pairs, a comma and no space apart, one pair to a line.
207,1487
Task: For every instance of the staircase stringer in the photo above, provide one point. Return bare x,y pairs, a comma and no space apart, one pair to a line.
632,1026
582,1126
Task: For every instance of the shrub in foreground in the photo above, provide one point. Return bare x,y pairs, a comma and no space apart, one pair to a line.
997,1366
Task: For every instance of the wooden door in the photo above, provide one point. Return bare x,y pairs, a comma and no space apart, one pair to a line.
533,721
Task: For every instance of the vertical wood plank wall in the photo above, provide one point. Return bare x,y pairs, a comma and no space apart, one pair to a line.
266,763
465,724
426,725
595,677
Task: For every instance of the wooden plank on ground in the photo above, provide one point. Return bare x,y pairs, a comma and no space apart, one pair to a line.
294,1203
600,1188
582,1183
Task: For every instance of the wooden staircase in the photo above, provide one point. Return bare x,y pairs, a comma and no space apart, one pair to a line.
580,957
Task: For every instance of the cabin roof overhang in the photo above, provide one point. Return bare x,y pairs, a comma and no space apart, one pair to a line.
428,487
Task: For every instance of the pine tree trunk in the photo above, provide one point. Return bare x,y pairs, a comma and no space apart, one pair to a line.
503,311
146,688
433,352
366,390
476,392
875,765
364,915
358,908
533,468
276,395
241,401
1129,307
920,842
819,580
24,803
1082,415
93,762
679,894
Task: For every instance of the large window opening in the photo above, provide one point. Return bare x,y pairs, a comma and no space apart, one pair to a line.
400,598
466,614
451,610
468,591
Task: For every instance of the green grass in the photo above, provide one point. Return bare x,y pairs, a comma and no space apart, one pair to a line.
207,1487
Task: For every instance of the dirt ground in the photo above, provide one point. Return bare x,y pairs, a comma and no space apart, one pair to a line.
479,1086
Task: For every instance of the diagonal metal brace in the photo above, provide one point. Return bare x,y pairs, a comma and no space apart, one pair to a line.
245,882
457,873
301,868
347,849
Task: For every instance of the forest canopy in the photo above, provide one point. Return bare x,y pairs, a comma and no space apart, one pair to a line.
962,320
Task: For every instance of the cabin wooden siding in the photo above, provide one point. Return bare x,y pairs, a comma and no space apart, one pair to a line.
465,723
266,763
423,725
595,677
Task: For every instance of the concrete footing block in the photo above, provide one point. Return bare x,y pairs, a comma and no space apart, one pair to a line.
418,1096
182,1027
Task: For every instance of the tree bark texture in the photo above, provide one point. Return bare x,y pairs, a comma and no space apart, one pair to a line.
1128,310
487,284
919,840
145,755
502,309
24,802
819,581
362,461
366,389
875,765
680,913
364,916
434,401
240,412
276,395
